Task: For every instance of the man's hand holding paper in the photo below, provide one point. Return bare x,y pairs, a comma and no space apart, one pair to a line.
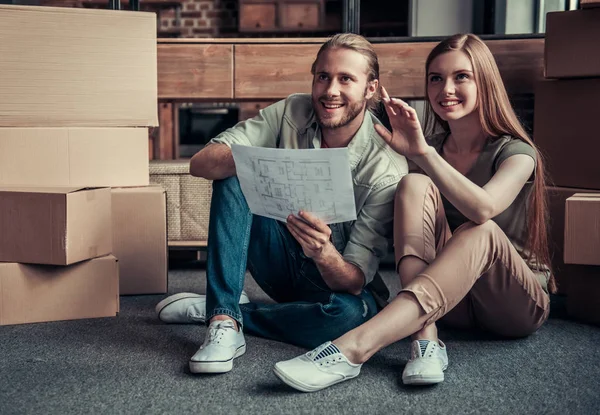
311,233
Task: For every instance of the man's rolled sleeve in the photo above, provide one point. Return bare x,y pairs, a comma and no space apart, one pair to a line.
260,131
371,234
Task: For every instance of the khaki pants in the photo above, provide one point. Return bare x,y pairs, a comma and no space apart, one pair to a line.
475,277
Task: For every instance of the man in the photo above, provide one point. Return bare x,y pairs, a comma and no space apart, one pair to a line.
324,278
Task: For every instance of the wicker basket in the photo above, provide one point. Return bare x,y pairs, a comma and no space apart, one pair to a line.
188,199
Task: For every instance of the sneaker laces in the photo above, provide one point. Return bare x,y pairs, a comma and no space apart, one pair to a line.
217,330
423,346
325,354
422,349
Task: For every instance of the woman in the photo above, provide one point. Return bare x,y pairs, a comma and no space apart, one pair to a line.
469,234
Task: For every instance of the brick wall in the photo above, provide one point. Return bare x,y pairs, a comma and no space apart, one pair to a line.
203,18
198,18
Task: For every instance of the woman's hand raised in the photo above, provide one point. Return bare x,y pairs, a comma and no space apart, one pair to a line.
406,137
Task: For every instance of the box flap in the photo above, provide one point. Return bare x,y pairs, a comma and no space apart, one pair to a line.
153,188
48,190
7,8
584,196
88,225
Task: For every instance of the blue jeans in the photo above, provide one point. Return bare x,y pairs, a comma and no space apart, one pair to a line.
307,312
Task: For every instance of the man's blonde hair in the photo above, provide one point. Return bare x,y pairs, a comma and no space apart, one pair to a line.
361,45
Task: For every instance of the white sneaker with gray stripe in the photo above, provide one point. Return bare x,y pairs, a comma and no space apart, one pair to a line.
318,369
427,363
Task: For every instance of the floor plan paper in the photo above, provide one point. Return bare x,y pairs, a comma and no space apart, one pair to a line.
277,182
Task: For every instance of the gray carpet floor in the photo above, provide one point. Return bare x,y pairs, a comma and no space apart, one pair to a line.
135,364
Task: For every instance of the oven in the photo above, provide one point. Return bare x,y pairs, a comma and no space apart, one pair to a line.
199,122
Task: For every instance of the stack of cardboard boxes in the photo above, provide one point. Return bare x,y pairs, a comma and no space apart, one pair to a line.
566,131
79,224
582,248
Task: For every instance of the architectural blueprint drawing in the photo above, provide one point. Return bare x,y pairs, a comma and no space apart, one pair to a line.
277,182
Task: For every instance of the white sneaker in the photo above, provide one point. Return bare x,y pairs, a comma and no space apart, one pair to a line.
317,369
222,344
186,308
427,363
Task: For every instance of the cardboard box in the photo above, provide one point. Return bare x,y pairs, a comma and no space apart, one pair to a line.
58,226
584,293
140,239
77,67
582,229
572,44
91,157
566,131
39,293
563,273
589,4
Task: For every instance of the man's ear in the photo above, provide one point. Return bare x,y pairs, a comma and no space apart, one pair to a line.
372,88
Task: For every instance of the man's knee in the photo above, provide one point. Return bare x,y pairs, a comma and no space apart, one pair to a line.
227,196
230,183
349,311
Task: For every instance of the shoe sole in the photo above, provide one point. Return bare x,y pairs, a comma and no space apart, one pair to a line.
424,379
301,386
173,299
216,366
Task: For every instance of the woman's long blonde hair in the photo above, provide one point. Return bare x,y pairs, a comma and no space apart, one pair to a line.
497,118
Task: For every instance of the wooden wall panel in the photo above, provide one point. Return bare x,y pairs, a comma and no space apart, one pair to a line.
402,67
164,148
270,71
195,71
275,71
521,63
251,109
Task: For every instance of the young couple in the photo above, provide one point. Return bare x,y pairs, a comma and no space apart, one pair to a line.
468,230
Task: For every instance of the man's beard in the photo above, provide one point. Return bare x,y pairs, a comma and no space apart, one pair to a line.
351,112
